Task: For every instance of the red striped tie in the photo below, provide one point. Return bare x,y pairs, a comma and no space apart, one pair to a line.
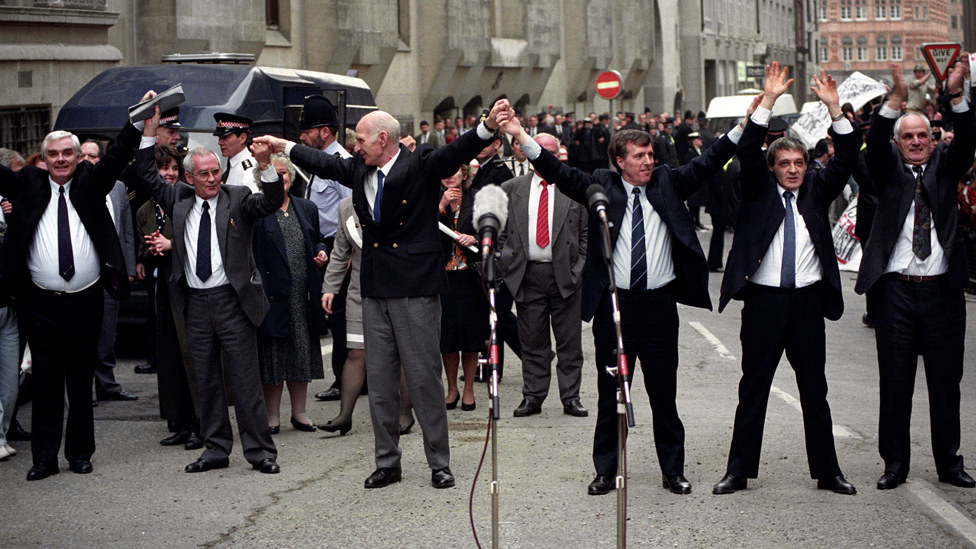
542,223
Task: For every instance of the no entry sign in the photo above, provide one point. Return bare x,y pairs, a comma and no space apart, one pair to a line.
608,84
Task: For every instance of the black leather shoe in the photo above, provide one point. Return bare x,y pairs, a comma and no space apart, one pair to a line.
274,429
17,432
194,441
678,484
442,478
145,369
121,395
527,408
468,407
958,478
453,404
405,429
307,427
332,394
343,428
573,407
41,471
202,466
837,484
890,480
383,476
175,440
267,466
81,466
867,320
602,484
729,484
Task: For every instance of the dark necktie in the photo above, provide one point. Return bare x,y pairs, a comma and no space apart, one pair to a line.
66,257
922,230
226,174
542,221
638,251
378,201
203,245
787,274
521,169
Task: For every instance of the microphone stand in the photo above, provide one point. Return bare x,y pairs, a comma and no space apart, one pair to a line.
625,407
492,363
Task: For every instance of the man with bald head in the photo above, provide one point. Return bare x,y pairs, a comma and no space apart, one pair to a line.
914,270
543,250
396,194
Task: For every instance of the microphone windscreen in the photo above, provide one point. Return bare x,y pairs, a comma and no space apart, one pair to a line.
595,196
490,200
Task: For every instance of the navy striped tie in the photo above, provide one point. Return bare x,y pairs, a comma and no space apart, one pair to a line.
638,251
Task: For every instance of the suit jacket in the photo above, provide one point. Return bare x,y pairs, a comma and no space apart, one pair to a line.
895,190
668,189
433,139
665,151
402,255
30,191
567,239
761,213
237,210
122,213
272,262
347,253
493,172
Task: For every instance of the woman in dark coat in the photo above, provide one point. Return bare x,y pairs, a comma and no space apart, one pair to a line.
464,307
288,250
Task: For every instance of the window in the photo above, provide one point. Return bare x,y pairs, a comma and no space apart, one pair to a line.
861,10
895,10
824,55
847,54
896,53
23,128
881,51
845,10
925,13
862,48
272,14
823,11
880,9
955,22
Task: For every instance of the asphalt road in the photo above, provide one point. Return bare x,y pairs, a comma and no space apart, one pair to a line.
139,496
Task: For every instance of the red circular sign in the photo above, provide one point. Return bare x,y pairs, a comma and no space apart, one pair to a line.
608,84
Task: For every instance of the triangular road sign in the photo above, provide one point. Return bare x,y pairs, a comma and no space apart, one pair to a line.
940,57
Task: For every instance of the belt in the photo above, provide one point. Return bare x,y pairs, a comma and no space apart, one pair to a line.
918,278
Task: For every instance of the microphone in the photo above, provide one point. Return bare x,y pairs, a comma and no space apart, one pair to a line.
598,203
490,215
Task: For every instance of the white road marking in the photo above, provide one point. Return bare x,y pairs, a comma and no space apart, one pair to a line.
953,515
838,430
719,348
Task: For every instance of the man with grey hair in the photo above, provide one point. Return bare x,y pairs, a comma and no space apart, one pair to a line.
59,251
11,159
914,271
396,195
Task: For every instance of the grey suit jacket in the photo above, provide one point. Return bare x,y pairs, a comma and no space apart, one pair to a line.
234,217
568,238
122,214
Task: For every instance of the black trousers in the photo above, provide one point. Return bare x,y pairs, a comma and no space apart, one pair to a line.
912,319
215,322
649,322
716,245
775,320
62,331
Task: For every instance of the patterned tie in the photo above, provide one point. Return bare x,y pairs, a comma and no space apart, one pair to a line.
378,201
787,274
922,230
521,170
542,220
638,251
66,257
204,269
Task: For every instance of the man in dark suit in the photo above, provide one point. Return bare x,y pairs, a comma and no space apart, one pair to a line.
783,266
396,195
216,282
543,247
654,268
914,270
60,250
599,141
665,151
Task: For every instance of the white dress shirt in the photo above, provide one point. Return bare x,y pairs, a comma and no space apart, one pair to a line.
42,258
240,169
535,253
190,238
657,243
808,268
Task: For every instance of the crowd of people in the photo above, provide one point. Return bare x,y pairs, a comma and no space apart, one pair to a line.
248,268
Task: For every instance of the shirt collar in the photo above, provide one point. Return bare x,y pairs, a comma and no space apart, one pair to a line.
239,157
385,168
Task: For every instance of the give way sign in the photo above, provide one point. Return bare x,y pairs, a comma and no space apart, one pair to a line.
940,57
